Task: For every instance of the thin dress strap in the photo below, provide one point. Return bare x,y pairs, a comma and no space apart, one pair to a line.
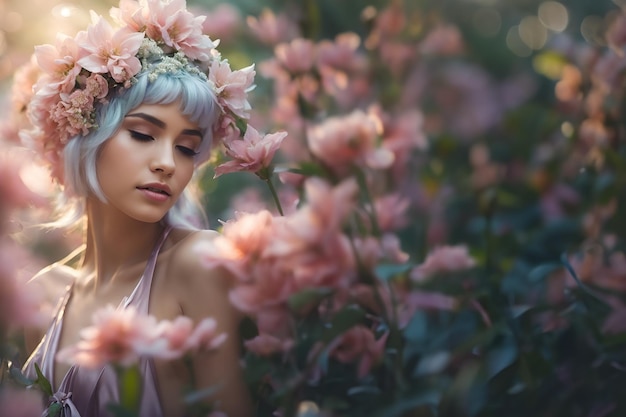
140,297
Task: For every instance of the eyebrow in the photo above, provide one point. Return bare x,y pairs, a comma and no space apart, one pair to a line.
161,124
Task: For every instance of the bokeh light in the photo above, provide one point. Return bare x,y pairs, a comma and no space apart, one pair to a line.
532,32
553,15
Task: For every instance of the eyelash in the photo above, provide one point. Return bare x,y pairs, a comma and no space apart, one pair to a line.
146,138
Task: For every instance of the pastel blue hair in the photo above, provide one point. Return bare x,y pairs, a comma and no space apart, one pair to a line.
198,103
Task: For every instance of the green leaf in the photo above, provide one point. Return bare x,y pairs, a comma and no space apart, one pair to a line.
344,320
387,271
308,169
129,380
43,382
55,410
542,271
19,377
308,297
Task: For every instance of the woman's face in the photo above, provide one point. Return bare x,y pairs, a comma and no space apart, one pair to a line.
145,166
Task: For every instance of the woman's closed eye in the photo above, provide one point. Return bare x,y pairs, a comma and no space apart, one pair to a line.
186,151
140,136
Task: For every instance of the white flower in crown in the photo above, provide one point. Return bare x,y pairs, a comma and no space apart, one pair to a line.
157,36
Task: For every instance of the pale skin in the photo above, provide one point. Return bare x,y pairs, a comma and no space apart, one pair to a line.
154,145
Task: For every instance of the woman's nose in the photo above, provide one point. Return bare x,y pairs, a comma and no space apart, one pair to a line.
163,160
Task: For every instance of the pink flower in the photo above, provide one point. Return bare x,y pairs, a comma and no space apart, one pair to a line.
443,40
232,87
110,51
272,29
242,241
443,259
60,64
222,22
296,57
390,211
359,344
182,337
346,141
266,345
178,28
19,304
252,153
117,336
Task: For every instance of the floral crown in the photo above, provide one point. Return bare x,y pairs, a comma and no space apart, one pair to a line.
154,36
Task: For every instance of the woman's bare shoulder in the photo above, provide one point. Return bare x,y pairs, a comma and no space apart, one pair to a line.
187,252
189,273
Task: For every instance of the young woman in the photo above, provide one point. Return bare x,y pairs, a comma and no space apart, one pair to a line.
124,118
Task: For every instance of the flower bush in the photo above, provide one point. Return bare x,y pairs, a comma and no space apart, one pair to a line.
441,234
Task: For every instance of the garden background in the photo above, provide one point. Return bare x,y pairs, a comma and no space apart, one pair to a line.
488,266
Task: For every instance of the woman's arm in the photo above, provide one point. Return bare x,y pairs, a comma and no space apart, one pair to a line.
204,293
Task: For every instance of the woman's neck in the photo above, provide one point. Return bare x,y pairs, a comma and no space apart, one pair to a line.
115,242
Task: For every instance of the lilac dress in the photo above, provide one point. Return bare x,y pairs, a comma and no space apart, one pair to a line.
84,392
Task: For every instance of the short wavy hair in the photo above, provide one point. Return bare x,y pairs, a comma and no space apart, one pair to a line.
198,103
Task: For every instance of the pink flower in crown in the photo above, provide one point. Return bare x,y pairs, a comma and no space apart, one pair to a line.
345,141
171,23
232,87
118,336
252,153
131,13
110,51
59,63
443,259
181,337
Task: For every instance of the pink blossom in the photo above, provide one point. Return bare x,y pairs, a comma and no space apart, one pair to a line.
345,141
232,87
117,336
272,29
444,259
252,153
242,241
24,79
390,211
359,344
20,403
443,40
60,64
178,28
266,345
19,304
297,56
222,22
131,13
182,337
110,51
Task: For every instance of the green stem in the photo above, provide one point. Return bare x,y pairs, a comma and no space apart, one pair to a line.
269,183
369,201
